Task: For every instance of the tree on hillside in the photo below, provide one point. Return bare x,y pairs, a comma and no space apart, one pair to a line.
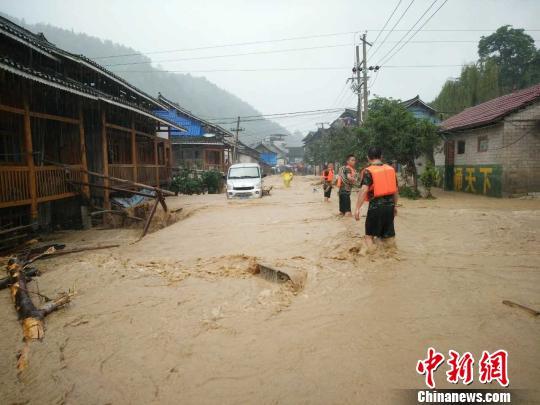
508,60
514,53
401,136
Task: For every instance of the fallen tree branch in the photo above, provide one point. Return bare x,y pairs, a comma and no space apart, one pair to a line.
523,307
30,316
28,272
76,250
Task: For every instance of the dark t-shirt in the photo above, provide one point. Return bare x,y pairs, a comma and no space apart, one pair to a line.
376,202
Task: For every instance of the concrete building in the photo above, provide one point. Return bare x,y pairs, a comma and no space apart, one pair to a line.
493,148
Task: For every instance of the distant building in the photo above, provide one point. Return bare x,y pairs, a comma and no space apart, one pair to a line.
421,110
296,154
268,153
247,154
493,148
203,146
347,119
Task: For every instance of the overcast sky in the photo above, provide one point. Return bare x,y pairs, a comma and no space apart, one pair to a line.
165,25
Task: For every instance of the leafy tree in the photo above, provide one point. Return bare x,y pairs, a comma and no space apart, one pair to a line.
429,178
514,53
401,136
508,60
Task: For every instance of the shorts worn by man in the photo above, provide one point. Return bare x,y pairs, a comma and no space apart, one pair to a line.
379,183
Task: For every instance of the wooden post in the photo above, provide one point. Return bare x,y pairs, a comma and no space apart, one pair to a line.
221,153
156,160
134,149
29,149
105,153
82,149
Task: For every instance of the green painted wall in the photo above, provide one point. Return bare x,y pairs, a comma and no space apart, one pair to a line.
475,179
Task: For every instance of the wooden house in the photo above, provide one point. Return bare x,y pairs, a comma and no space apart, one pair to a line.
60,108
202,146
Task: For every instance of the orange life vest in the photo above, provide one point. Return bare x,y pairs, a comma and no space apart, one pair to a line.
340,177
328,175
384,180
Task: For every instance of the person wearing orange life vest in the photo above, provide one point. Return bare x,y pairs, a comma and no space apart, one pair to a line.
328,178
345,182
379,183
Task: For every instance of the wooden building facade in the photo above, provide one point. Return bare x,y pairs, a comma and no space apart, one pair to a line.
62,115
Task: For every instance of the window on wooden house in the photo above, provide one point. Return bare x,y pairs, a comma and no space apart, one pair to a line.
461,147
483,143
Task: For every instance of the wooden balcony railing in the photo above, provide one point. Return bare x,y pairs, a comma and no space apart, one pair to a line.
14,186
51,184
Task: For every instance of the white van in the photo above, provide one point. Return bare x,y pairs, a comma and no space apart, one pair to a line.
244,180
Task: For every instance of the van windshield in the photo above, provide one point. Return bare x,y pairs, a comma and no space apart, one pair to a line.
244,173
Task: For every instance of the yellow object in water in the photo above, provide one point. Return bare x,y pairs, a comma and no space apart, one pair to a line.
287,178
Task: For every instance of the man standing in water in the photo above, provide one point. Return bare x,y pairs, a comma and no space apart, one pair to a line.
328,178
379,184
345,183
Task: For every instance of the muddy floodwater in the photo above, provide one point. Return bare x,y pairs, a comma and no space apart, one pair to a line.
179,318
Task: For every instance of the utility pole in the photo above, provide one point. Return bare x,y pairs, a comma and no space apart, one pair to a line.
237,130
359,86
364,71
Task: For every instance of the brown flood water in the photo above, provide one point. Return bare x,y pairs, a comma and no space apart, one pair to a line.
178,317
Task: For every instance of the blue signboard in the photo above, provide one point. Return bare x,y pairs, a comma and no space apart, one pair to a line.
194,127
269,158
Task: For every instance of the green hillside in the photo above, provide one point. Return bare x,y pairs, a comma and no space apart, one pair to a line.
196,94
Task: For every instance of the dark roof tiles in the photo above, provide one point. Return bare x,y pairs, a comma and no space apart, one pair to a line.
492,110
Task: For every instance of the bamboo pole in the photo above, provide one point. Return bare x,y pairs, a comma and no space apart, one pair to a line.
32,185
84,162
105,155
134,149
119,180
156,160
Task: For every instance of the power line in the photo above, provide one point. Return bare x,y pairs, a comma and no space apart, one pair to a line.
414,34
391,30
286,69
264,118
229,55
274,115
334,34
387,21
407,33
152,52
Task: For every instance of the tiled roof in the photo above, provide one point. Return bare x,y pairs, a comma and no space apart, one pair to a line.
492,110
197,140
39,43
61,82
417,100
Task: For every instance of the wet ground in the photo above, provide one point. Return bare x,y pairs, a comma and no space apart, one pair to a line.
178,317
